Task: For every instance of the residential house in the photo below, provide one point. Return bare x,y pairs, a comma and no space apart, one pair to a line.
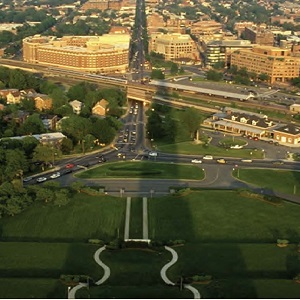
28,93
18,117
49,121
77,106
295,108
42,102
100,108
12,96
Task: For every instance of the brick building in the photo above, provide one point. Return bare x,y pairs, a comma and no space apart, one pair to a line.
106,53
260,36
277,63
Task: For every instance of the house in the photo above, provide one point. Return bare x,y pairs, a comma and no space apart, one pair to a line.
12,96
42,102
295,108
100,108
49,121
77,106
28,93
289,134
18,117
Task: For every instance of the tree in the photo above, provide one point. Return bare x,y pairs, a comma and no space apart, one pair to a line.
157,74
77,186
263,77
16,163
174,69
214,75
32,125
44,153
62,197
44,194
192,119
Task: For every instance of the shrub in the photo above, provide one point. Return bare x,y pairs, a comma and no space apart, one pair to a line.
95,241
282,243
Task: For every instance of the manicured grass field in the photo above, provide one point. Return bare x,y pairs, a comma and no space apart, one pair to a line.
144,169
136,219
200,149
233,141
22,259
279,180
32,288
83,218
221,216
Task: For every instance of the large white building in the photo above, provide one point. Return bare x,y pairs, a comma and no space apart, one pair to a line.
174,46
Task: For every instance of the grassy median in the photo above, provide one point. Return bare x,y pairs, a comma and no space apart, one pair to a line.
144,169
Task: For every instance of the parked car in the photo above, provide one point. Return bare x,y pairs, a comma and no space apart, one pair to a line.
196,161
55,175
208,157
27,179
255,138
221,161
41,179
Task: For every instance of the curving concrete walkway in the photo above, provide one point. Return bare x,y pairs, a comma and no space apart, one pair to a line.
101,264
168,265
72,292
193,290
168,281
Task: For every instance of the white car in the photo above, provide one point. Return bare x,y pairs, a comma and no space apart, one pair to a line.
41,179
196,161
153,154
55,175
27,179
208,157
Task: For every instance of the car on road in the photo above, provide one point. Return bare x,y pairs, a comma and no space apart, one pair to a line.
41,179
55,175
27,179
153,154
221,161
278,162
246,160
208,157
70,166
196,161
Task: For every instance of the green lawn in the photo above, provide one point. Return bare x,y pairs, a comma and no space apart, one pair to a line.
221,216
278,180
32,288
22,259
144,169
200,149
83,218
136,292
136,219
231,141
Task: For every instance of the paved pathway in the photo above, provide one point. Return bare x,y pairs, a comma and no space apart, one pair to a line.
168,281
101,264
145,218
72,292
127,218
168,265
